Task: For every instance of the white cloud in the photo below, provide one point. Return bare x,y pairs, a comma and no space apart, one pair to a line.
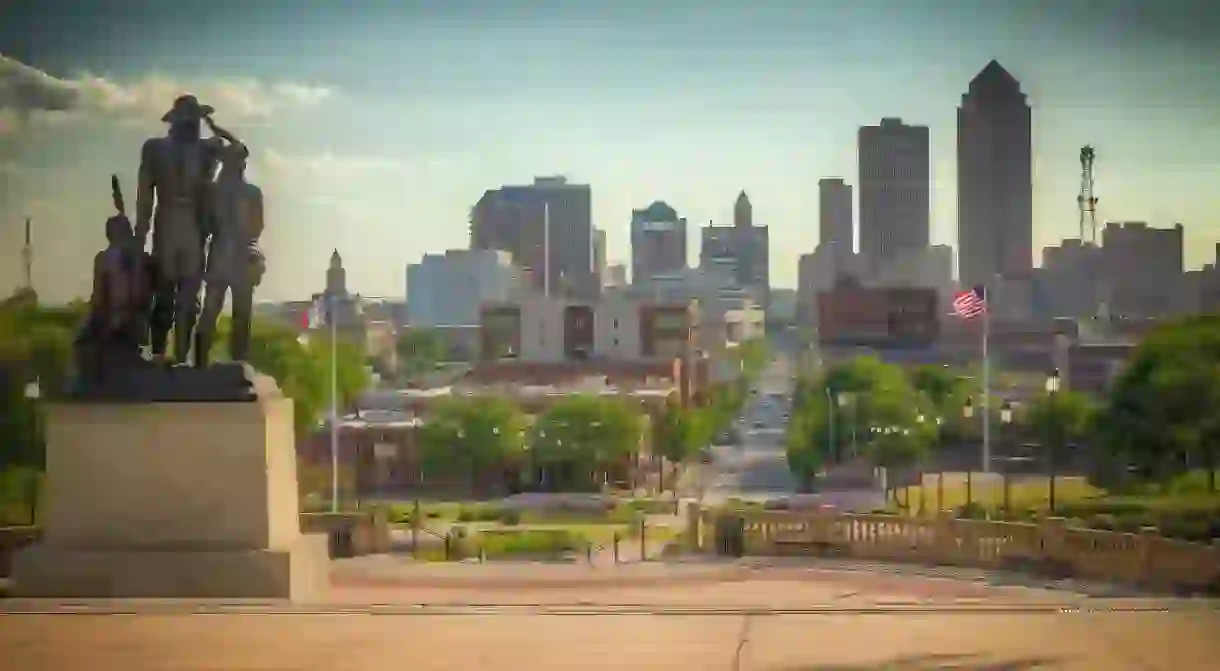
26,92
326,165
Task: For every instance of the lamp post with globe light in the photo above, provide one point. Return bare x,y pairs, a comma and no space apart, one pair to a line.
845,400
1005,422
32,393
968,412
1052,391
935,422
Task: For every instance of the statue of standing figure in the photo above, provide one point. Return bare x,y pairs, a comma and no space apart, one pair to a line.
175,176
234,263
140,298
192,212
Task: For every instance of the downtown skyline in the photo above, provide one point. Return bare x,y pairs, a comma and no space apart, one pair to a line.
386,169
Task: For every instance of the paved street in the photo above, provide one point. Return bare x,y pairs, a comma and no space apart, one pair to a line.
758,469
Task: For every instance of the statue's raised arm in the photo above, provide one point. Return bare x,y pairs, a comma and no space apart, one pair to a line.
146,189
223,133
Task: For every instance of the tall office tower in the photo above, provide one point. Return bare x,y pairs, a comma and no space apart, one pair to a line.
743,211
995,193
599,256
550,214
743,247
895,179
658,242
835,223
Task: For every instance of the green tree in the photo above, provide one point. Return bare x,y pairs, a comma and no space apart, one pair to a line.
1162,413
1057,420
753,355
303,370
473,438
35,346
680,433
943,388
419,351
584,435
805,447
842,409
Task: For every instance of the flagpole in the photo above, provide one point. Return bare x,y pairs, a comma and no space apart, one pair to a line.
986,381
334,409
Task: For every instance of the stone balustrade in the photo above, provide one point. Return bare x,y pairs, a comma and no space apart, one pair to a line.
1145,559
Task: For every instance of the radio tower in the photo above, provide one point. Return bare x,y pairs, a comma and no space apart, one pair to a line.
27,255
1086,201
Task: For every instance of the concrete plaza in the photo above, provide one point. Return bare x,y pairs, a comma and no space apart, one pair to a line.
384,614
844,642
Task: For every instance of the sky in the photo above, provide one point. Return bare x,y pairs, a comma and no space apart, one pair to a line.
375,126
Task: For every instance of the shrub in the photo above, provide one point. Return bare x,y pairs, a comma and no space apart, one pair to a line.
511,517
480,513
972,511
1103,522
533,542
1190,518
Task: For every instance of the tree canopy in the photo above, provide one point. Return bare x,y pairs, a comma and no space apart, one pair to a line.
866,404
470,436
419,351
36,344
588,429
681,432
1163,411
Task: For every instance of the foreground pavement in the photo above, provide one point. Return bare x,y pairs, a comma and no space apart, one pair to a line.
386,613
507,641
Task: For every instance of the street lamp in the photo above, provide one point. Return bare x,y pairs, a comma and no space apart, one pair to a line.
1005,421
940,472
847,399
33,392
1052,390
968,412
830,426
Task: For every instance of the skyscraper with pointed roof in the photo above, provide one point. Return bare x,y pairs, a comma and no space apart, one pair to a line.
336,276
994,179
743,247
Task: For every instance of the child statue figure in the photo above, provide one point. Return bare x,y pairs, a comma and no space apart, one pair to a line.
117,326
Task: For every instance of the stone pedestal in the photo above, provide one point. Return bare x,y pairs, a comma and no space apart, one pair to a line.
172,500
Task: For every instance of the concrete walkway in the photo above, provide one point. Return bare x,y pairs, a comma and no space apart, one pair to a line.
389,613
504,642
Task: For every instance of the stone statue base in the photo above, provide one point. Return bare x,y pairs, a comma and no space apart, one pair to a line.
137,380
172,500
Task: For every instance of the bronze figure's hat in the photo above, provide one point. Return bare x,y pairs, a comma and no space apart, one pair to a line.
186,108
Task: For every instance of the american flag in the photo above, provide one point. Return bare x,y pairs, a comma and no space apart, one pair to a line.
315,316
970,304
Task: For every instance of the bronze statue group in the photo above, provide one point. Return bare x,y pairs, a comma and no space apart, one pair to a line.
205,224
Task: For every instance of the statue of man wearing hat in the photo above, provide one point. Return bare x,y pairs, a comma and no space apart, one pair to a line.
175,176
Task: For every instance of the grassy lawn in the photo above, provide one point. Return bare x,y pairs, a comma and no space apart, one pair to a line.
1025,494
470,512
1182,508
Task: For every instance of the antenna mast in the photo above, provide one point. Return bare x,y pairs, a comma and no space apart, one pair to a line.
1086,201
27,254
